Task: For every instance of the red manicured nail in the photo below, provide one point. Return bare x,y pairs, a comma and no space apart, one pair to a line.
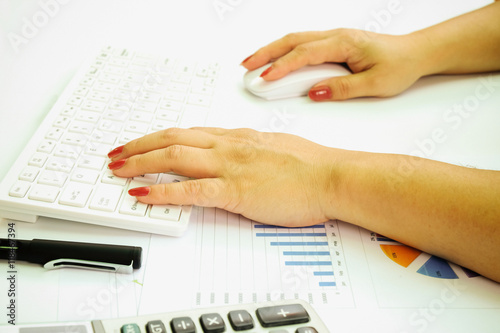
115,152
320,93
246,59
267,71
139,191
116,164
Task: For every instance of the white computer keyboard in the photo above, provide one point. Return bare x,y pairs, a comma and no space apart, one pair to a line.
286,316
119,95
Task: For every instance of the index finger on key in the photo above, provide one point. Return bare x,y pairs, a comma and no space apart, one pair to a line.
183,160
280,47
163,139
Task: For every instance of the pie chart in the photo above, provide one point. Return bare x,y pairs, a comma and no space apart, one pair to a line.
434,266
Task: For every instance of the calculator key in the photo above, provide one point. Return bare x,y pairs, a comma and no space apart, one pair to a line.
306,330
240,320
280,315
182,325
156,326
130,328
212,323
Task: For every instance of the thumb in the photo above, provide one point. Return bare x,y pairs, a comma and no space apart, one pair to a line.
345,87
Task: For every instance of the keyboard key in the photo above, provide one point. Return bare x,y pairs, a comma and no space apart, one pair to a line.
69,151
46,146
91,162
86,176
103,137
110,126
98,149
54,134
29,174
109,178
147,179
136,127
53,178
106,197
172,178
165,212
44,193
130,206
75,194
60,164
81,127
19,189
62,122
38,159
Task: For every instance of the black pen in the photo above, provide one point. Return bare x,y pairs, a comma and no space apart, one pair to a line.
57,254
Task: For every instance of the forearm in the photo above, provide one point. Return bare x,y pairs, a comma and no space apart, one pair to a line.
465,44
439,208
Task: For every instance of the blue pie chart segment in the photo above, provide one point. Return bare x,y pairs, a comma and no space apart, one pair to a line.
438,268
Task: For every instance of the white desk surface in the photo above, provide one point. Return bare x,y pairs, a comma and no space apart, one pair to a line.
38,60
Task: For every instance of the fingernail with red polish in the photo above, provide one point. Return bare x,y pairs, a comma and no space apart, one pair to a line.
139,191
246,59
267,71
115,152
320,93
116,164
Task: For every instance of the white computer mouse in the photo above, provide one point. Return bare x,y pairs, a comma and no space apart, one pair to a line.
294,84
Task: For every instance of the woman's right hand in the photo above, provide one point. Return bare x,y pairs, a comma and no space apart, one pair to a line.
382,65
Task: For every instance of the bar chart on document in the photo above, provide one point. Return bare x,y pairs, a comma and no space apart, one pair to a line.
241,261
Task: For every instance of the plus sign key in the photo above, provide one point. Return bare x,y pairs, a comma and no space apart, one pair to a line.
280,315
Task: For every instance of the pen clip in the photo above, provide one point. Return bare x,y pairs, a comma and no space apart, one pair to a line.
87,264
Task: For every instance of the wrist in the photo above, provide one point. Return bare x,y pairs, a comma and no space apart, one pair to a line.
429,57
334,177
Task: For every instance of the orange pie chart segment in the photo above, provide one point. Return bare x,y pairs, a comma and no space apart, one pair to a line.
401,254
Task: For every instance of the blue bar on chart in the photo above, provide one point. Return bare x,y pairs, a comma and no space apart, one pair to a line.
310,252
